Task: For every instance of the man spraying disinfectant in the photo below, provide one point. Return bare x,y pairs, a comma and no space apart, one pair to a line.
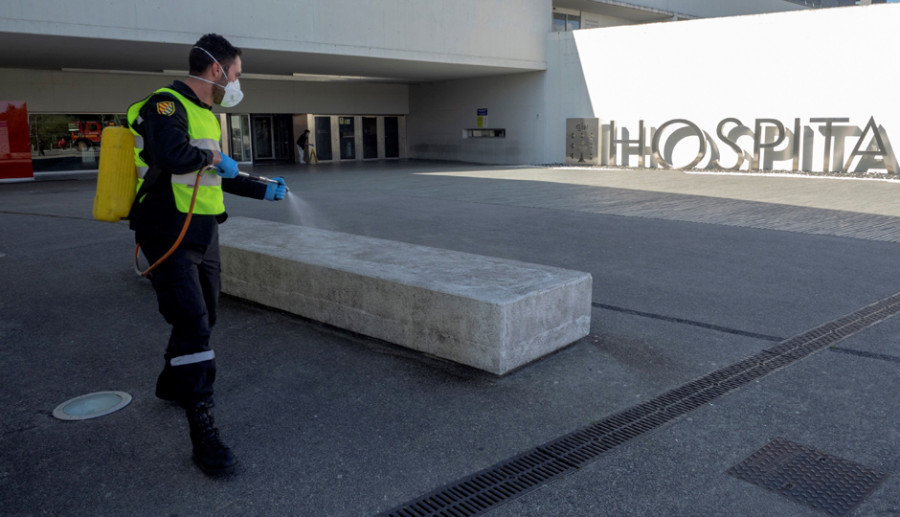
182,175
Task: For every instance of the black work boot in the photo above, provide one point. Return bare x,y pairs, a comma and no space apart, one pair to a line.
211,455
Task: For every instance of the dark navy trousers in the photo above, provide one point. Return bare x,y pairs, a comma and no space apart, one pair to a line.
187,286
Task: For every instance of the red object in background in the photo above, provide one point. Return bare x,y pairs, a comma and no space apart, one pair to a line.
15,142
84,135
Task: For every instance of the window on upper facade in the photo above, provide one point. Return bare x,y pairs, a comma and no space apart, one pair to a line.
566,22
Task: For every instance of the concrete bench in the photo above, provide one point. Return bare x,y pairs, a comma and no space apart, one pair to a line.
492,314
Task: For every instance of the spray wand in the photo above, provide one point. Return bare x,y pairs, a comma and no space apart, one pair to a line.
262,179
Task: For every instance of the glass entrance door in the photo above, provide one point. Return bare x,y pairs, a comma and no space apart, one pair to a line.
272,137
281,138
391,137
370,137
240,137
348,138
263,143
323,138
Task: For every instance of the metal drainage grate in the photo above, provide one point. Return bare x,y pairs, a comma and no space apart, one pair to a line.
503,482
483,491
805,475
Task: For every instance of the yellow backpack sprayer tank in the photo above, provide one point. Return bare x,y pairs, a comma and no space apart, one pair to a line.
116,176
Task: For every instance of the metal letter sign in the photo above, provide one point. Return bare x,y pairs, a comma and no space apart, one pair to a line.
818,145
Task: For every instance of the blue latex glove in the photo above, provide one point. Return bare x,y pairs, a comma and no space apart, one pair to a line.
228,168
276,191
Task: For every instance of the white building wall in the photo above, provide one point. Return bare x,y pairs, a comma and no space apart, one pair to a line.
532,108
441,112
809,64
83,92
802,64
496,32
261,96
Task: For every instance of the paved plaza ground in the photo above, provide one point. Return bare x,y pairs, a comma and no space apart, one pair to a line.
696,278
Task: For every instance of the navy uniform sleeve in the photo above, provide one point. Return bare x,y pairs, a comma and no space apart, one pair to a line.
166,140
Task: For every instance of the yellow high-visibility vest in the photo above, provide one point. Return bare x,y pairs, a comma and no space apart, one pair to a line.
205,133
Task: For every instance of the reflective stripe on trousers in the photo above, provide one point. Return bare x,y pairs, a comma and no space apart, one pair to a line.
199,357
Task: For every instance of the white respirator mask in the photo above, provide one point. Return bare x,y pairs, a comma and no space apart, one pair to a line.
233,94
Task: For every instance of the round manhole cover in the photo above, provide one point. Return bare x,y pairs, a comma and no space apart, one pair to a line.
92,405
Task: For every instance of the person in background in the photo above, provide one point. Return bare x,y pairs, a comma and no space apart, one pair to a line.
303,144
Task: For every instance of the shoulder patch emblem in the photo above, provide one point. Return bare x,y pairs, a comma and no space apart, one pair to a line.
166,108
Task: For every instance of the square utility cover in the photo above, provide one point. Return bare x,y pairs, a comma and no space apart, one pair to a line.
813,478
